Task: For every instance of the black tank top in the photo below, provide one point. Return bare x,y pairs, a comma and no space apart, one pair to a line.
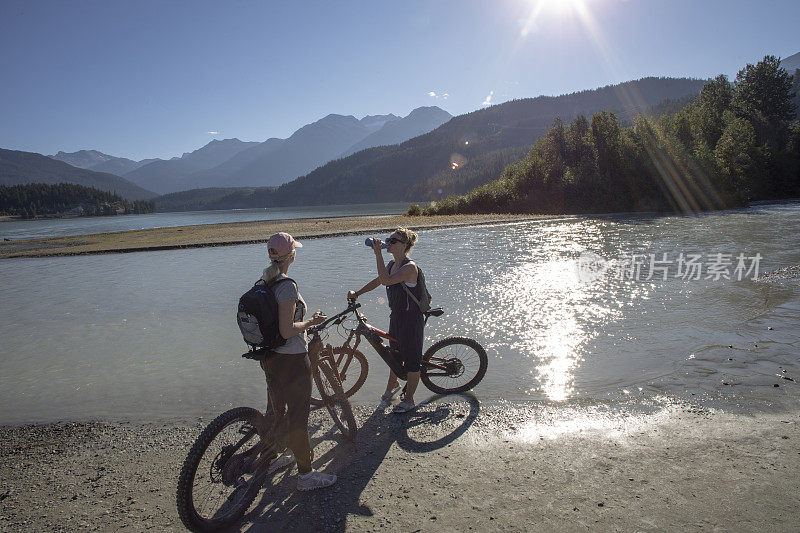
399,302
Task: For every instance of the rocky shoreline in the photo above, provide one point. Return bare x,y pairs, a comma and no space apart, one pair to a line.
453,466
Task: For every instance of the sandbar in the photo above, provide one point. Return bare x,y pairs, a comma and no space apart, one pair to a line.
234,233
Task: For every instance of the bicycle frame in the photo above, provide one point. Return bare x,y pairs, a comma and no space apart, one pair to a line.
375,338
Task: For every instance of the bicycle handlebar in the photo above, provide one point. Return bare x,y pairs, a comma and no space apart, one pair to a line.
352,305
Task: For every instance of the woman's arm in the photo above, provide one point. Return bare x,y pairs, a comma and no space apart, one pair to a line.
287,326
407,272
375,283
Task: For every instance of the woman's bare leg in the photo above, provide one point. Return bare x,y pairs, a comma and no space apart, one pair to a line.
393,382
411,387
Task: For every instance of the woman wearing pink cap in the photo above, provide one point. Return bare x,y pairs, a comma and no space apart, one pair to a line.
287,367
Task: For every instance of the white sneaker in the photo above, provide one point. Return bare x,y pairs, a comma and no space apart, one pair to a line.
282,461
314,480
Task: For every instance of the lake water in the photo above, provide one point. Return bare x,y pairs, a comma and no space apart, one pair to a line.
59,227
153,334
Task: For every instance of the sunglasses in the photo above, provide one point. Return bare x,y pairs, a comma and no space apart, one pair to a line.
392,240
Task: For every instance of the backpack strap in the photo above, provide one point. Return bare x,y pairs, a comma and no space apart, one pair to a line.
411,294
405,287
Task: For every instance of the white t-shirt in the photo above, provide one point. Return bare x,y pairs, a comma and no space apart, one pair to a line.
284,292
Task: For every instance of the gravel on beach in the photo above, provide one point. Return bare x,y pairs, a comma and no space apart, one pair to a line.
451,466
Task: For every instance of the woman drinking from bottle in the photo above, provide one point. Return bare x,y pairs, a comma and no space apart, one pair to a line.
406,321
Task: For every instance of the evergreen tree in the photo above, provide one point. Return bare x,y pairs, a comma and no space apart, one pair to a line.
763,96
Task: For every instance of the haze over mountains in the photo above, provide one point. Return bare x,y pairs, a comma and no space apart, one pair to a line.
277,161
164,176
421,120
235,163
100,162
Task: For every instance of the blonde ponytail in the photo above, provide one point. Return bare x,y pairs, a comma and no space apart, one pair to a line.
274,268
271,272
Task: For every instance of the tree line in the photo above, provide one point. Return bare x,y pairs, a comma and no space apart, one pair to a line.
735,143
40,199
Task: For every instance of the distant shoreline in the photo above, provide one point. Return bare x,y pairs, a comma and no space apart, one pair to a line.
14,218
235,233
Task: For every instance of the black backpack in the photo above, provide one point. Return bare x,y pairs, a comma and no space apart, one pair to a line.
257,315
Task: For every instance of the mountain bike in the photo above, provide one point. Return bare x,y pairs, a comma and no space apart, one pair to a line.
451,365
229,462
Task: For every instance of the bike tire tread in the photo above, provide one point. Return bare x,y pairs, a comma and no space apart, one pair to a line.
472,343
186,509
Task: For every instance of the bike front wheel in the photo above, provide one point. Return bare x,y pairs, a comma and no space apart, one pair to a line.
219,479
454,364
335,401
351,369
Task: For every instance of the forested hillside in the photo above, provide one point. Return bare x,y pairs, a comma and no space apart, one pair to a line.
737,142
196,199
65,199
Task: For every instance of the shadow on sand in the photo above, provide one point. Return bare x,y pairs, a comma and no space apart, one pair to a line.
281,508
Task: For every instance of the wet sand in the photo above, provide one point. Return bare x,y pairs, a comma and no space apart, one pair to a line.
237,233
450,467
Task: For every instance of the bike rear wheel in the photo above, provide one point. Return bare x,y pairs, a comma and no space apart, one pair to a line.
219,478
454,364
351,369
335,401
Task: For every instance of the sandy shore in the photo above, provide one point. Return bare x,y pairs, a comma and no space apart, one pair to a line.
236,233
451,467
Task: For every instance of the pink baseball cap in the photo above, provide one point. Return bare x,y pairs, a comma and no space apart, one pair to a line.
281,244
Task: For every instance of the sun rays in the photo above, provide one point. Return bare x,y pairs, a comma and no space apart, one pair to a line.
683,180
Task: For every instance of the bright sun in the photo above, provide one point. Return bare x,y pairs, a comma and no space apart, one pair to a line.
557,6
561,8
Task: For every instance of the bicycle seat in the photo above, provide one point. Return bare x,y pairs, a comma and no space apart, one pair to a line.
436,311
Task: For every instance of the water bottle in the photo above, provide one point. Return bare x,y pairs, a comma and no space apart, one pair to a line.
368,242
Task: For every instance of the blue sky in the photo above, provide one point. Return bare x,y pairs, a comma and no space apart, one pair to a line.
154,79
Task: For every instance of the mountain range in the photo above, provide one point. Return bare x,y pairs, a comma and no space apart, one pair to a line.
235,163
100,162
164,176
20,168
463,153
277,161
